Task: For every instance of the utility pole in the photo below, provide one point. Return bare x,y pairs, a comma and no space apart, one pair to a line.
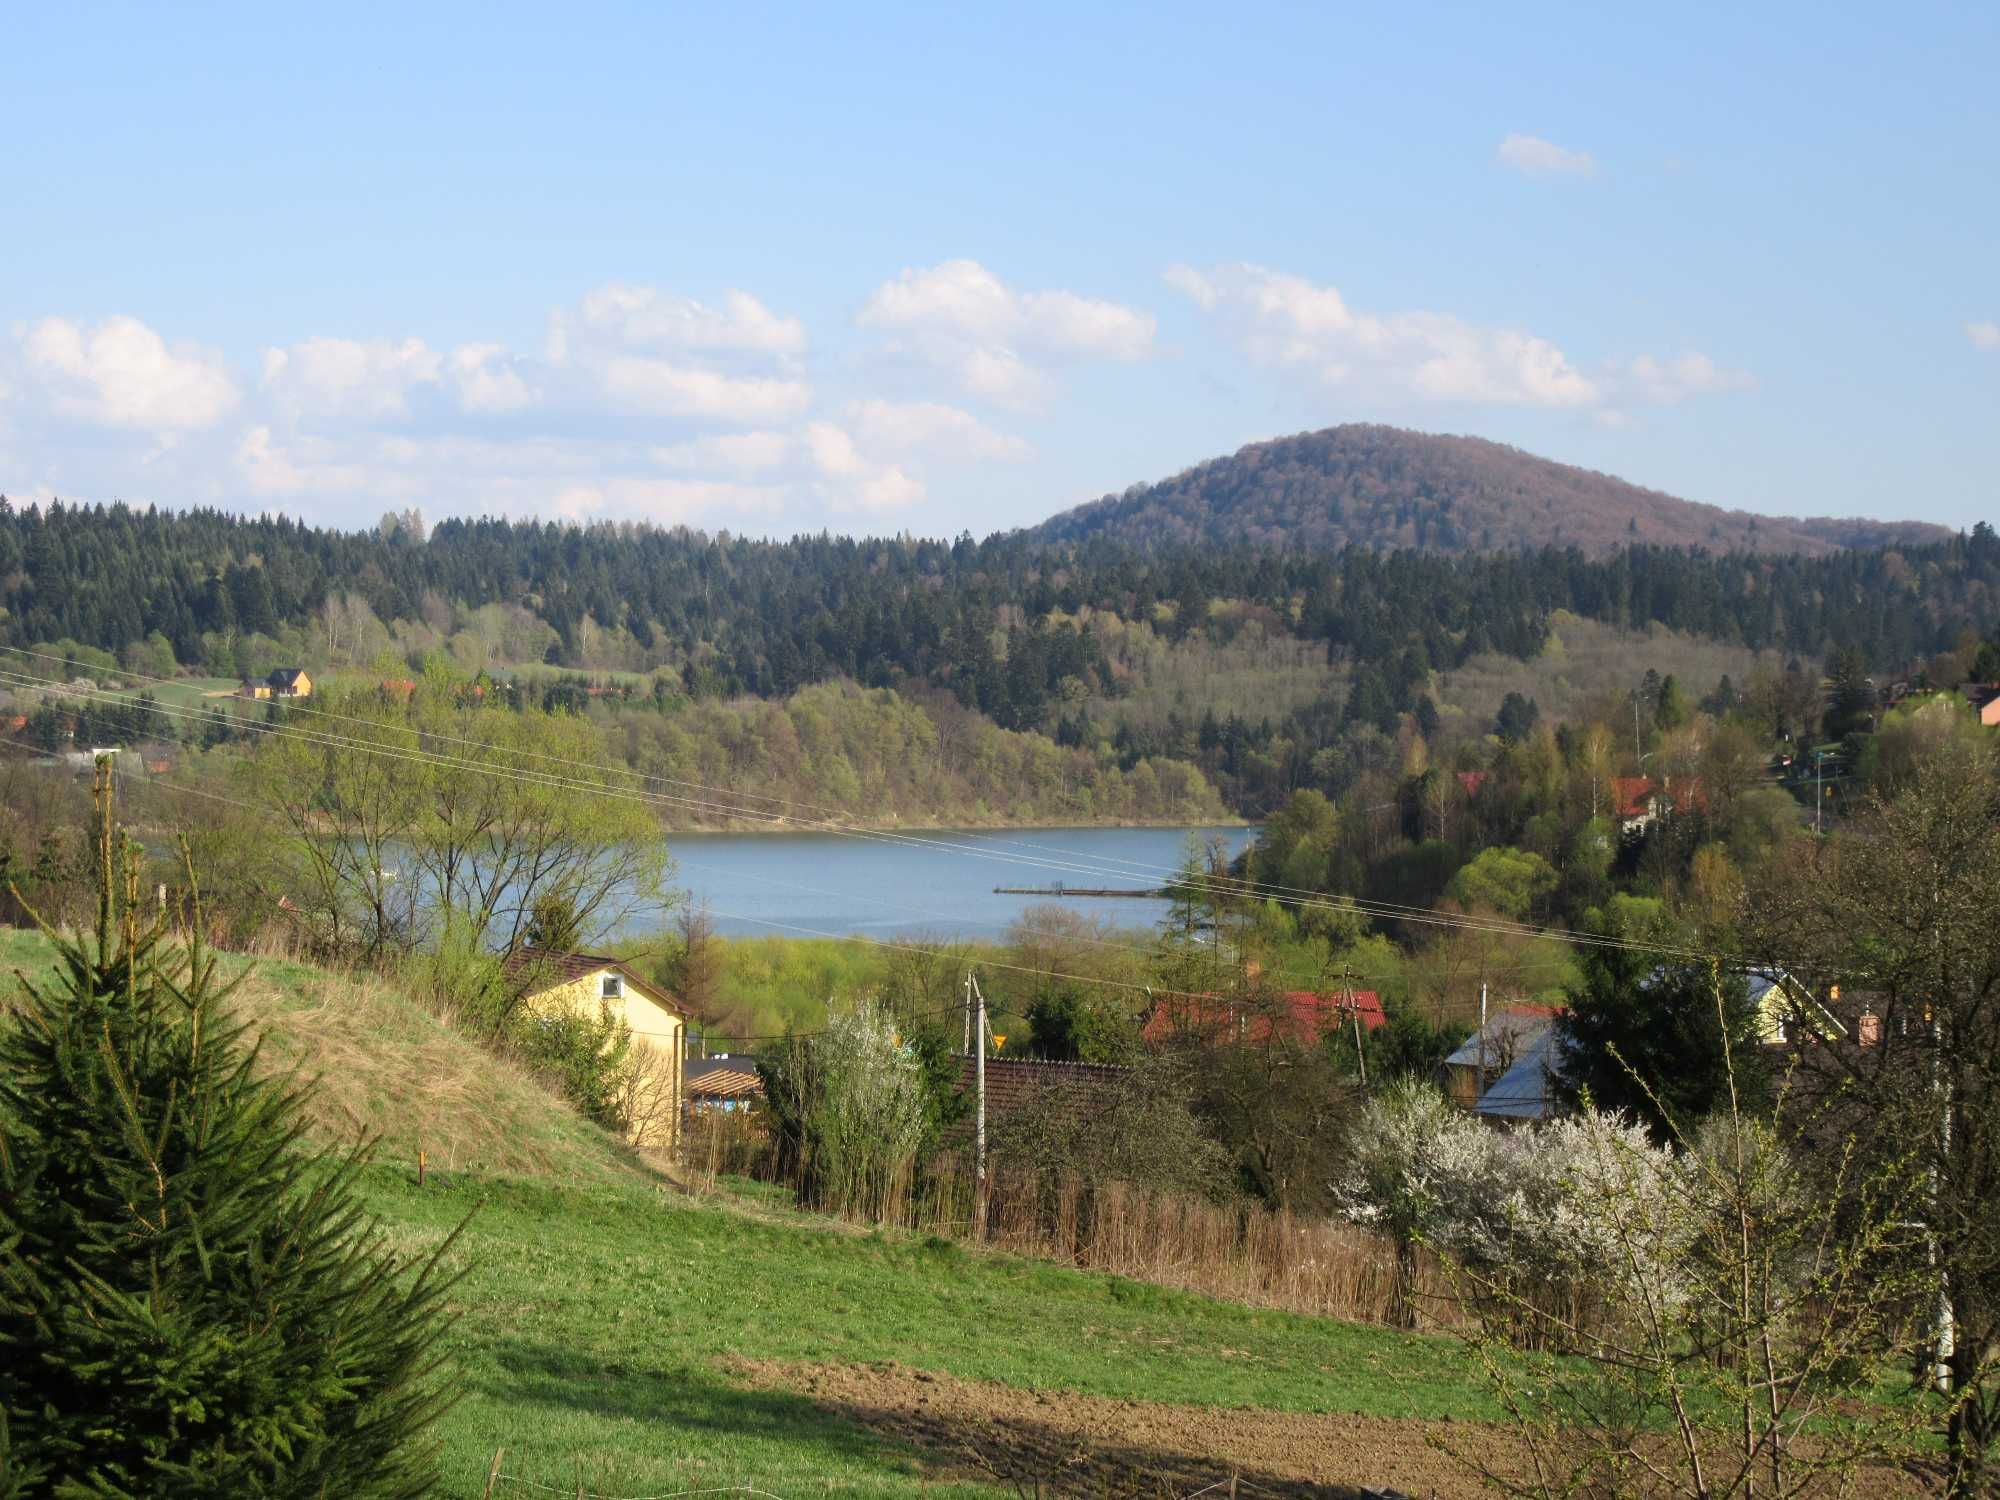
1947,1332
966,1045
1482,1047
979,1114
1636,756
1360,1057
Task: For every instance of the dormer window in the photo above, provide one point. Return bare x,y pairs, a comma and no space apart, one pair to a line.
612,987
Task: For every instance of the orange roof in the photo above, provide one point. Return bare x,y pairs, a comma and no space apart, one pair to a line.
1302,1015
1630,796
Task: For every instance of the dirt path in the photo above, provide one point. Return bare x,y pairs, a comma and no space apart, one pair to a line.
1075,1444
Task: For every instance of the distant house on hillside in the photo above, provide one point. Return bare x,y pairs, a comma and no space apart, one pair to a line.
553,984
1298,1015
1985,700
1788,1012
1637,802
285,682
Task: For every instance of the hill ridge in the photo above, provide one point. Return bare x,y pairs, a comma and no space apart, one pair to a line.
1385,487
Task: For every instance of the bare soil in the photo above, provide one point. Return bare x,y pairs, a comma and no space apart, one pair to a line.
1062,1443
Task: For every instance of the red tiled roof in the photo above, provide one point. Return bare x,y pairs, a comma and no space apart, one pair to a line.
1630,796
1301,1014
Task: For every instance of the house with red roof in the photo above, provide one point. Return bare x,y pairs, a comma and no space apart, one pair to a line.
1298,1015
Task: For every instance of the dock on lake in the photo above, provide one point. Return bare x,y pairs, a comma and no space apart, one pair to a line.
1074,890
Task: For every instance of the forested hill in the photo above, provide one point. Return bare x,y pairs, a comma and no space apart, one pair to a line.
1003,624
1386,488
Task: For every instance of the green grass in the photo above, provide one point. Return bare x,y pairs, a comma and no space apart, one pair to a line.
597,1324
601,1307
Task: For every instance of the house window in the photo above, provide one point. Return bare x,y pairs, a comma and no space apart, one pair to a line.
612,987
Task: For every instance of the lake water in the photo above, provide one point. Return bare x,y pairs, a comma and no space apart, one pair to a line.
923,882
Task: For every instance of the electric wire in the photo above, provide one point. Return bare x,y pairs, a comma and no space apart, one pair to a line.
1245,889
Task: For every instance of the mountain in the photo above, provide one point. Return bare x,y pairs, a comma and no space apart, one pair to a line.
1385,487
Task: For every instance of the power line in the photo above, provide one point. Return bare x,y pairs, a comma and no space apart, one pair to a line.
1219,885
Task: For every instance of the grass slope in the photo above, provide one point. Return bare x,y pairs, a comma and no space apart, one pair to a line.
603,1312
387,1068
599,1325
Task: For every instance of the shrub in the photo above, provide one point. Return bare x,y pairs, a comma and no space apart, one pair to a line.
851,1112
191,1301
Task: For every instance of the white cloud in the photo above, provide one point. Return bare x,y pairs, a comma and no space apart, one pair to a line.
123,374
1535,157
335,377
907,426
643,317
1985,336
664,388
733,452
1287,322
960,317
857,482
489,379
1669,381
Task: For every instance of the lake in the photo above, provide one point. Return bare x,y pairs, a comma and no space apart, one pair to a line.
937,882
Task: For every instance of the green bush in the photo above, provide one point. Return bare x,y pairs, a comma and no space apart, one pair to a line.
191,1300
586,1058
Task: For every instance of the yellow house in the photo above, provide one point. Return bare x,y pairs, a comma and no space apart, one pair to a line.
592,984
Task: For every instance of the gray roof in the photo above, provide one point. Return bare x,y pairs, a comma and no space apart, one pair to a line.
1506,1034
1527,1090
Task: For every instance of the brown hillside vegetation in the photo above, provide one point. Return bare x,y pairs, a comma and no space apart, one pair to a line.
1385,487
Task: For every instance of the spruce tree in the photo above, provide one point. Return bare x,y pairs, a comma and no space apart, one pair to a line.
192,1300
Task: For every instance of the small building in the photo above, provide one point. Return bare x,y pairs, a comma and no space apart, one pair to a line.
284,682
1635,802
1788,1012
1303,1016
1531,1089
1984,698
1485,1057
720,1085
553,984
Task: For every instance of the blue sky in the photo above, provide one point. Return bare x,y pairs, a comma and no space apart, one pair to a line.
878,268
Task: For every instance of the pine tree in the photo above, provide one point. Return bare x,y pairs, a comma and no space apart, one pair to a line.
192,1301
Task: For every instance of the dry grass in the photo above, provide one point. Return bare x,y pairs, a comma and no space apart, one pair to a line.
387,1068
1237,1251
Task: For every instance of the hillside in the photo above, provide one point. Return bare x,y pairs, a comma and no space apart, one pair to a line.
389,1070
617,1335
1385,487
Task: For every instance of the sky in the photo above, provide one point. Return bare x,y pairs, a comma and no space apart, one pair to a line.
934,269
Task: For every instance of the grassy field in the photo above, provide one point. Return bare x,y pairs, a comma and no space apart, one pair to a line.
609,1322
600,1327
